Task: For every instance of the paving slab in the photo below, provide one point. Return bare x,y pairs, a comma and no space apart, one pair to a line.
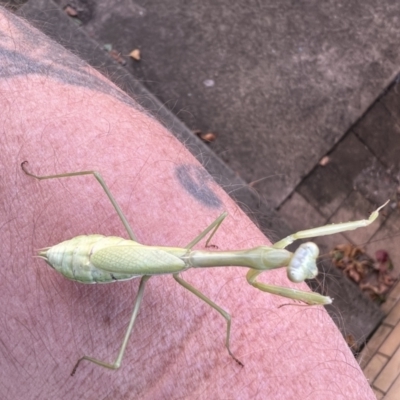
393,392
278,82
375,366
362,173
381,133
373,345
326,187
389,373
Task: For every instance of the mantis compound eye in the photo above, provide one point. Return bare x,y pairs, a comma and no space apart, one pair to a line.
303,263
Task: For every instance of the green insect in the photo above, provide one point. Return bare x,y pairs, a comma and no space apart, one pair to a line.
106,259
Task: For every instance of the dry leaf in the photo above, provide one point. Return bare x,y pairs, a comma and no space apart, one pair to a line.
371,276
208,137
71,11
135,54
324,161
205,137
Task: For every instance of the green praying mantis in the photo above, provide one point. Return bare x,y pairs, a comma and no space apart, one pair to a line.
104,259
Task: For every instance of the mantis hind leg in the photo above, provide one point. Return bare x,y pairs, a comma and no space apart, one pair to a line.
216,307
103,185
118,360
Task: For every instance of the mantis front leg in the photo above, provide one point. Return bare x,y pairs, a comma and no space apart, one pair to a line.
303,262
310,298
329,229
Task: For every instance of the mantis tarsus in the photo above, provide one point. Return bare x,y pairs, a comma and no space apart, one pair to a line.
102,259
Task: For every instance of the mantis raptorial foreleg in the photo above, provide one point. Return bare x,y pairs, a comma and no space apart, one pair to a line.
310,298
328,229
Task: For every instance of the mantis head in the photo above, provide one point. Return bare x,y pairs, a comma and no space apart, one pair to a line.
303,263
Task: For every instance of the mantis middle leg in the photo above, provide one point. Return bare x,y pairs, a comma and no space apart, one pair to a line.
212,227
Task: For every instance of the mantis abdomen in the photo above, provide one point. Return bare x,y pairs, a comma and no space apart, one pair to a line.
72,258
104,259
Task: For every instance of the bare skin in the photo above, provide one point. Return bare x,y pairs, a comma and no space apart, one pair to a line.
62,116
